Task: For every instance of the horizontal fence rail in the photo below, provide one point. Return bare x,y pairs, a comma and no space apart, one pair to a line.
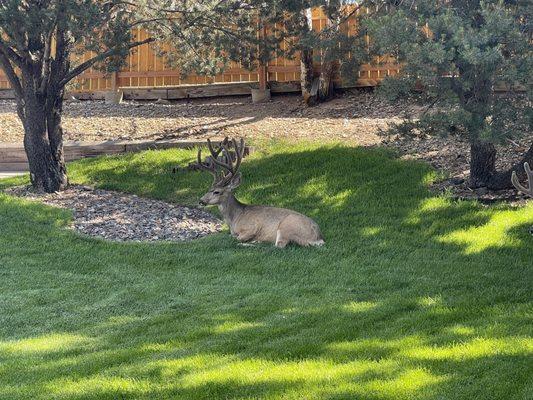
145,69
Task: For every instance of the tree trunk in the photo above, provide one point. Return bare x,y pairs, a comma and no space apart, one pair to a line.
43,141
483,167
307,76
325,87
327,71
482,163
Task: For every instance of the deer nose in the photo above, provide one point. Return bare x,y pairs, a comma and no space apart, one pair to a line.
202,203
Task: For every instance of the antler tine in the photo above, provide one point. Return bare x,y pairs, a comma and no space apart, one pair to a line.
239,153
209,167
216,153
223,148
519,186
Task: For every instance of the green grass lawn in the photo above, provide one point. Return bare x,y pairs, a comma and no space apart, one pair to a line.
413,297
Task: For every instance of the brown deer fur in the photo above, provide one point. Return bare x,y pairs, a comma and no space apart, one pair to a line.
251,223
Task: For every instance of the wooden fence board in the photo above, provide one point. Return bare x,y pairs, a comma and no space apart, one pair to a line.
144,68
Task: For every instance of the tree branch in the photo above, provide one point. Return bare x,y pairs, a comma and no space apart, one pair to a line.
11,74
11,54
89,63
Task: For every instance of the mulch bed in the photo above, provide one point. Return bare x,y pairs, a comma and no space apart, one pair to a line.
122,217
451,156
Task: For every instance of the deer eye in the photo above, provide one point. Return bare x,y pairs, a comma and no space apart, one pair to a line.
216,191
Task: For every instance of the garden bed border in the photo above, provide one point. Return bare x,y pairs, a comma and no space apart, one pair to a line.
13,156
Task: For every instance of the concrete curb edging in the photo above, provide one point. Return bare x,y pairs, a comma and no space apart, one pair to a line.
13,155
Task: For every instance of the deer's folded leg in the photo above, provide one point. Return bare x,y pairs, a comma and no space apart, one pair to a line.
245,236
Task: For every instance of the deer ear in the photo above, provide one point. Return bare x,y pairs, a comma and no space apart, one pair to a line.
235,181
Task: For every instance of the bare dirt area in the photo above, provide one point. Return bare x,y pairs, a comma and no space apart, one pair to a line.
122,217
357,117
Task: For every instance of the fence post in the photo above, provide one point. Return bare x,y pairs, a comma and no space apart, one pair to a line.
114,96
263,77
114,81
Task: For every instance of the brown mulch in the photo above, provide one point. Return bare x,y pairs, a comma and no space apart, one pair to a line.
452,158
121,217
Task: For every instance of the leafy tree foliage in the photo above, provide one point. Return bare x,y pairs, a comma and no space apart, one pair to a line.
457,52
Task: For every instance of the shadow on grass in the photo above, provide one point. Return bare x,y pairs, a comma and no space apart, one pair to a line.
412,297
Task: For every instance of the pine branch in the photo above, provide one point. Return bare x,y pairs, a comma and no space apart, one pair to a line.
11,54
89,63
11,74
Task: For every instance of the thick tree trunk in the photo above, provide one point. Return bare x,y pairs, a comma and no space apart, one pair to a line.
482,163
483,167
502,179
329,58
43,142
307,76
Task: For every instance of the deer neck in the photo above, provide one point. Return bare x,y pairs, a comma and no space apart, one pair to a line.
231,209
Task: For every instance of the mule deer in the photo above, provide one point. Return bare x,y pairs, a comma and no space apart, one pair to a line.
523,189
249,223
519,186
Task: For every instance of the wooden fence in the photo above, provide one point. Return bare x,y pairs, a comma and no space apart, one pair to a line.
145,70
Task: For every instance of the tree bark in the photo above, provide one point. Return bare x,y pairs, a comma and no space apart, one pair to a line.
482,163
327,71
483,171
325,86
307,76
502,179
43,141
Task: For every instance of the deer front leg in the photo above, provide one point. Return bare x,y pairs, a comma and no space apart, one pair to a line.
244,236
281,241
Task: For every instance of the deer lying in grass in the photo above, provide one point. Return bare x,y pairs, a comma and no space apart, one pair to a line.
519,186
249,223
523,189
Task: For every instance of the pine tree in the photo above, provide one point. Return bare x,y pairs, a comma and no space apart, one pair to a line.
457,52
39,39
332,48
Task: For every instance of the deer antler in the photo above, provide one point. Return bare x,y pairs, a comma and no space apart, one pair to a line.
208,165
519,186
231,163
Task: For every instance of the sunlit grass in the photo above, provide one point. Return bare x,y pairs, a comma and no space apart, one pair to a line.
413,297
493,233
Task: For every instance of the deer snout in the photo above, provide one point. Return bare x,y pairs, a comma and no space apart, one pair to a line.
204,201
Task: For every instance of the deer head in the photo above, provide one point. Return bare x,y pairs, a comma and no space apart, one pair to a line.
224,165
519,186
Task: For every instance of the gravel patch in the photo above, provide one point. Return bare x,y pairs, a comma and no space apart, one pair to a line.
355,117
121,217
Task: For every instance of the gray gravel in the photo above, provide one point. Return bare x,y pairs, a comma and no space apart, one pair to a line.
121,217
